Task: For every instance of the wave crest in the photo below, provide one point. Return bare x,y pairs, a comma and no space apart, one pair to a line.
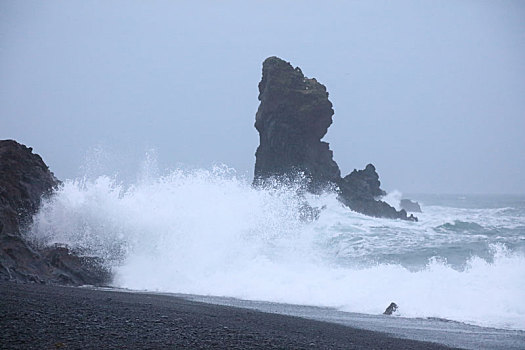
209,232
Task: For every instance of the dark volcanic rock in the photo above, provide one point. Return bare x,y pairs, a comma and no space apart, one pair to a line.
24,180
360,190
410,206
293,117
363,184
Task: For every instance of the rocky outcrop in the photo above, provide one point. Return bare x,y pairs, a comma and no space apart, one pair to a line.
24,180
293,117
410,206
359,191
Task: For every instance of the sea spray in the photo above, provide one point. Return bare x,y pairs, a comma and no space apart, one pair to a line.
209,232
393,198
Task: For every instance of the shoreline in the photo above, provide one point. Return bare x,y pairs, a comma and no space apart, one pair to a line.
451,333
51,316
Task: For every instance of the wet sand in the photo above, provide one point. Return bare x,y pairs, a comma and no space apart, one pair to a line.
49,317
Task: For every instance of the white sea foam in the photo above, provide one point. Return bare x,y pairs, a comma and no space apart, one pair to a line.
208,232
393,198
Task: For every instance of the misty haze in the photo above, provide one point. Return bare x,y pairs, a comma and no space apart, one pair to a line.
358,163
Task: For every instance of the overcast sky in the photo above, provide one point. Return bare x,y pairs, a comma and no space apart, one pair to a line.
431,92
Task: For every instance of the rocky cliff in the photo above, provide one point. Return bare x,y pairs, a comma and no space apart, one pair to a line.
292,118
24,180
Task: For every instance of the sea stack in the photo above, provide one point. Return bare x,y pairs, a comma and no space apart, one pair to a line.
293,117
24,180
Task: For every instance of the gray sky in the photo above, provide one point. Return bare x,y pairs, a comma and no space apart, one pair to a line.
431,92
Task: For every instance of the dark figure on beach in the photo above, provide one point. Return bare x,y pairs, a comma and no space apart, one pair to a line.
390,309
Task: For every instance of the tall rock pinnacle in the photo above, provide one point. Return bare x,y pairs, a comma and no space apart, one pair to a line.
293,117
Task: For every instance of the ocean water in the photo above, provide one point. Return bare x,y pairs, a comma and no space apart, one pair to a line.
208,232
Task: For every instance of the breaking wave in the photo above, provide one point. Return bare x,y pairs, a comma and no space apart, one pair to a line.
209,232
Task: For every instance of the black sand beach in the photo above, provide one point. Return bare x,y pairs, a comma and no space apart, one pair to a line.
37,316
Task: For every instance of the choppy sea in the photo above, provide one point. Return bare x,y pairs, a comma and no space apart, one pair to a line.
209,233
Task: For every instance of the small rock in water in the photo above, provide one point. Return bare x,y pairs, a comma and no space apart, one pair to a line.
390,309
